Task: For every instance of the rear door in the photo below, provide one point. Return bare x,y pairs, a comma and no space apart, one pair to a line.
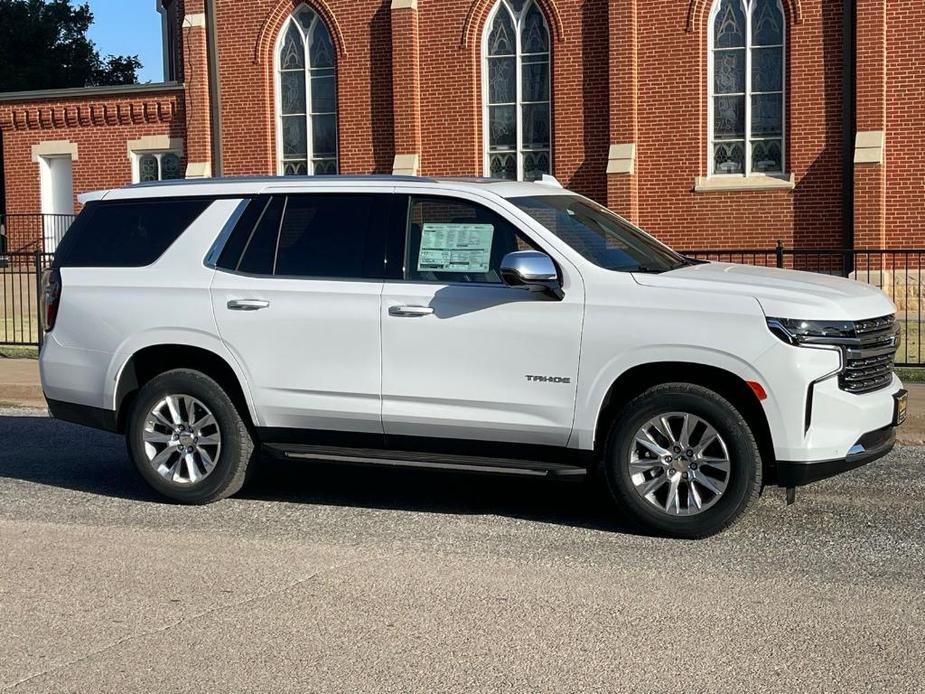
463,355
296,300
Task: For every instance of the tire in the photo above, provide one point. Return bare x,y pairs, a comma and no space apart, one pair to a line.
641,480
148,436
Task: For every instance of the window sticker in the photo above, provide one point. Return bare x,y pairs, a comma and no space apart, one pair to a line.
455,247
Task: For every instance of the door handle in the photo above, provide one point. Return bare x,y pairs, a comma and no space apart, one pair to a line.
247,304
410,311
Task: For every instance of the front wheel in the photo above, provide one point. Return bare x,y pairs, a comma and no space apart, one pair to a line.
187,438
682,461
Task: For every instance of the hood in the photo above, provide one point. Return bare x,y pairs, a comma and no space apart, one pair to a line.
781,293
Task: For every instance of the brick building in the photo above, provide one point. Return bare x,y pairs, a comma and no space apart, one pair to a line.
709,122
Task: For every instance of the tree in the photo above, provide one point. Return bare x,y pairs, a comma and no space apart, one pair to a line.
44,45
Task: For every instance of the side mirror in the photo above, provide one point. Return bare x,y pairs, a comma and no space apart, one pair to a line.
533,271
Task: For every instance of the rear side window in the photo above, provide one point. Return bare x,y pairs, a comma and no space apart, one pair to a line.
317,235
130,233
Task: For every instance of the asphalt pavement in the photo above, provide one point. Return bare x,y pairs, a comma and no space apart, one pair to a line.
343,579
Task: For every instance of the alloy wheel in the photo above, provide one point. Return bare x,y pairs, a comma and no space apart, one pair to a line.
182,441
679,464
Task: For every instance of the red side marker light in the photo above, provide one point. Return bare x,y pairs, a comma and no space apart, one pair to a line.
758,390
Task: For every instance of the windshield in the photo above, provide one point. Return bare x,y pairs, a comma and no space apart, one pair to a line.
606,239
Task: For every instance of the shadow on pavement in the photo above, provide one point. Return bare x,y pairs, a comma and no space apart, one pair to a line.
53,453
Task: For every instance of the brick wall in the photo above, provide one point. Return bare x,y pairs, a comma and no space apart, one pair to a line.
362,38
590,105
100,126
628,72
905,123
672,147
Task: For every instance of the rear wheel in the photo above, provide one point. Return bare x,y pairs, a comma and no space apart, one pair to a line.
187,438
682,461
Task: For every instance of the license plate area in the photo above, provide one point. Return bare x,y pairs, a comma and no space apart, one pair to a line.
900,407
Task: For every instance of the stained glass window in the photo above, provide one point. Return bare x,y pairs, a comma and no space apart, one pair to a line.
747,87
157,166
307,97
148,169
170,166
516,76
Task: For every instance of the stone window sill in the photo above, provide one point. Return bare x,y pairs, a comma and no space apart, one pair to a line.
726,184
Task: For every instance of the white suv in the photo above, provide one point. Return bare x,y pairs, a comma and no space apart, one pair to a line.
467,324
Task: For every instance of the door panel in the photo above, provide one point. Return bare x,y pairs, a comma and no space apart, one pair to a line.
311,356
456,355
462,371
296,298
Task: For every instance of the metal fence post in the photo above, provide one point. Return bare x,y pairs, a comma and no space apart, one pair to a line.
779,253
38,298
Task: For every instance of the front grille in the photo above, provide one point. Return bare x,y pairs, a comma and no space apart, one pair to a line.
869,363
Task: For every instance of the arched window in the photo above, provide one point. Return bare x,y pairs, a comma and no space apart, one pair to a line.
516,92
306,97
747,41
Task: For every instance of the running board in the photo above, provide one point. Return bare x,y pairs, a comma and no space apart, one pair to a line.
414,459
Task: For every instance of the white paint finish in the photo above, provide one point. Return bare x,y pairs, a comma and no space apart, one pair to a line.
461,372
108,314
56,185
311,356
312,359
727,184
781,293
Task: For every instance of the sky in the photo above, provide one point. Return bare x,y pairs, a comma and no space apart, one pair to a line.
129,27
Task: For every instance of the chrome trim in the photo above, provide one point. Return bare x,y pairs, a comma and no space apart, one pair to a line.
530,266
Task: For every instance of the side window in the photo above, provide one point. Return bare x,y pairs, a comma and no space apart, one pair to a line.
311,235
240,235
452,240
260,247
341,236
130,233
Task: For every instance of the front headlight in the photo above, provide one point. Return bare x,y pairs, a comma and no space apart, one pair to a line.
817,332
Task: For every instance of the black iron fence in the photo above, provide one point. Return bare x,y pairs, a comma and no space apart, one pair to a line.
27,233
898,272
20,297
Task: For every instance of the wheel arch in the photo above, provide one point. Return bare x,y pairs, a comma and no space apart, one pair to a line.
732,387
150,361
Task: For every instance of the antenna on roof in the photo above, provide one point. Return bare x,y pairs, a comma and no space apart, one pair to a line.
548,180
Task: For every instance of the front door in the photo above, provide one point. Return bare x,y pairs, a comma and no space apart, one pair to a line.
463,355
298,305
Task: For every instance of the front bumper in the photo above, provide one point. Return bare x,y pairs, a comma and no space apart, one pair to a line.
870,447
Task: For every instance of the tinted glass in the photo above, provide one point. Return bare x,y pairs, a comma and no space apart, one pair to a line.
234,246
333,236
126,233
452,240
260,248
599,235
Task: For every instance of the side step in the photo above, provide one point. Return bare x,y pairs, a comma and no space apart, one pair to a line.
414,459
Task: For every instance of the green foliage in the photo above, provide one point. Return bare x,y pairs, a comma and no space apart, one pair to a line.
44,45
